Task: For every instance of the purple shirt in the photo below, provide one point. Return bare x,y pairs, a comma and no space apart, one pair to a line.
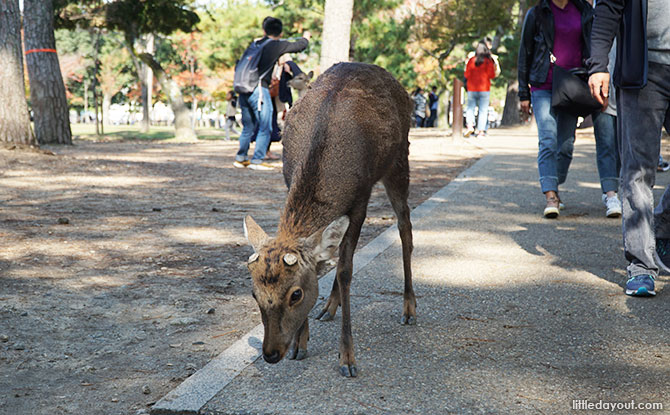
567,40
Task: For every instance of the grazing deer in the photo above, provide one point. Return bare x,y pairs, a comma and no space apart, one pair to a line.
346,133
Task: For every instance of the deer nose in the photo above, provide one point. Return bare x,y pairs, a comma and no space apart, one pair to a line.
274,357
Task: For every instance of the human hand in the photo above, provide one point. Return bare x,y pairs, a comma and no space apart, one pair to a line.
307,35
525,107
599,83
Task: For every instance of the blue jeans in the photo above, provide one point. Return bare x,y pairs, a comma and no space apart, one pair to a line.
556,134
607,151
481,100
641,116
252,119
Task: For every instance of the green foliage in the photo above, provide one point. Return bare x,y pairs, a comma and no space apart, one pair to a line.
383,41
137,17
227,32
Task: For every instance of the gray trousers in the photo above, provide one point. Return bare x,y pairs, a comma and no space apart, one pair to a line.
641,114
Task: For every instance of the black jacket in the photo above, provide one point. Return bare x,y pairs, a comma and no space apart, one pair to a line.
537,40
628,18
273,50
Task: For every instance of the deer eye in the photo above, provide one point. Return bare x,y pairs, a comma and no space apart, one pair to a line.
296,296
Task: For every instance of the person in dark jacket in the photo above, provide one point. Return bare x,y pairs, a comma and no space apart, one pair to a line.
554,32
257,106
642,79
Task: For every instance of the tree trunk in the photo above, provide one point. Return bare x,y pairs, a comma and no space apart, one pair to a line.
336,32
106,103
14,117
149,83
85,120
182,120
141,70
511,114
47,90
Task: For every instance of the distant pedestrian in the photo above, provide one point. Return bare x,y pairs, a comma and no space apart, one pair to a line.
419,107
479,71
554,33
231,113
433,102
642,78
257,106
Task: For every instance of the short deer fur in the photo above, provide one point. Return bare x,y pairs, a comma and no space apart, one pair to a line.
346,133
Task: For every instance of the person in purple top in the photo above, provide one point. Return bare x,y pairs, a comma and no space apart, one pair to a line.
555,32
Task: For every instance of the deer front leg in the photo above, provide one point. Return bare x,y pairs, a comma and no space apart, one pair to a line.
299,351
347,360
344,270
330,308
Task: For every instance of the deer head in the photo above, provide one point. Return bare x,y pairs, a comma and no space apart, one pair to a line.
300,82
284,277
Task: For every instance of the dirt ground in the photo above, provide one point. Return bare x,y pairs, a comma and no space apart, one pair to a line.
123,264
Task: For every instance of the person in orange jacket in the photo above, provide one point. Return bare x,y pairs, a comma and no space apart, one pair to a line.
479,71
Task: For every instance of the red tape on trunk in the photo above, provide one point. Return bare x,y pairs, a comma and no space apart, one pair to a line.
41,50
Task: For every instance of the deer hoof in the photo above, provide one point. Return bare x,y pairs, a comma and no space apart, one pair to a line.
324,316
408,320
298,354
348,371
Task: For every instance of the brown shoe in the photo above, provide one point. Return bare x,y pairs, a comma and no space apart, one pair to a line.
552,209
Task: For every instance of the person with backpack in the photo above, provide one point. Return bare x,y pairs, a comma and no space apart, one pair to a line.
253,74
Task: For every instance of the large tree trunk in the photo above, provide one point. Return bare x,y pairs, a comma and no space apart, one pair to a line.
182,119
511,114
47,90
14,118
336,32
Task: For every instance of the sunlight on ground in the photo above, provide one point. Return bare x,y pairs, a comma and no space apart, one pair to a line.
199,235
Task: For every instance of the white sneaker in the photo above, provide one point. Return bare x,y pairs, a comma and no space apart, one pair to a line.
613,205
260,166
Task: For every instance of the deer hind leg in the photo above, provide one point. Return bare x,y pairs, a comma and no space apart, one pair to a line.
299,351
344,274
330,308
397,189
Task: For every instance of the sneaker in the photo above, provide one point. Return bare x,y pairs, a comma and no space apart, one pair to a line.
481,134
241,164
613,205
641,286
551,211
663,166
469,132
662,254
260,166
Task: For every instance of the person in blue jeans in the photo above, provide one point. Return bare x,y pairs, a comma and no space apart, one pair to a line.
555,32
642,78
607,150
257,107
479,71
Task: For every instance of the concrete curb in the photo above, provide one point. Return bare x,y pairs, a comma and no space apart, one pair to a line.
192,394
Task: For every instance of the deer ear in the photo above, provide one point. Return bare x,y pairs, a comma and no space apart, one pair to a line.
254,234
324,243
310,74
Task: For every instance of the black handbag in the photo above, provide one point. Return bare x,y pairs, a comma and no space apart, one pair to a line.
570,92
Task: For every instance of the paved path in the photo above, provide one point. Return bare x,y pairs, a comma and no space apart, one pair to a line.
516,313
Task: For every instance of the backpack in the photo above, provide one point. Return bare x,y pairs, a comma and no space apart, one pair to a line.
246,71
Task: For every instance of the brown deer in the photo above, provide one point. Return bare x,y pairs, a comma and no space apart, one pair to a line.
346,133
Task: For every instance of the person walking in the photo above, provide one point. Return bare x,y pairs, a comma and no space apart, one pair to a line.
231,113
479,71
257,106
419,107
642,78
433,101
555,32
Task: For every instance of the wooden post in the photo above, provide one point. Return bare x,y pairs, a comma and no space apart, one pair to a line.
457,120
